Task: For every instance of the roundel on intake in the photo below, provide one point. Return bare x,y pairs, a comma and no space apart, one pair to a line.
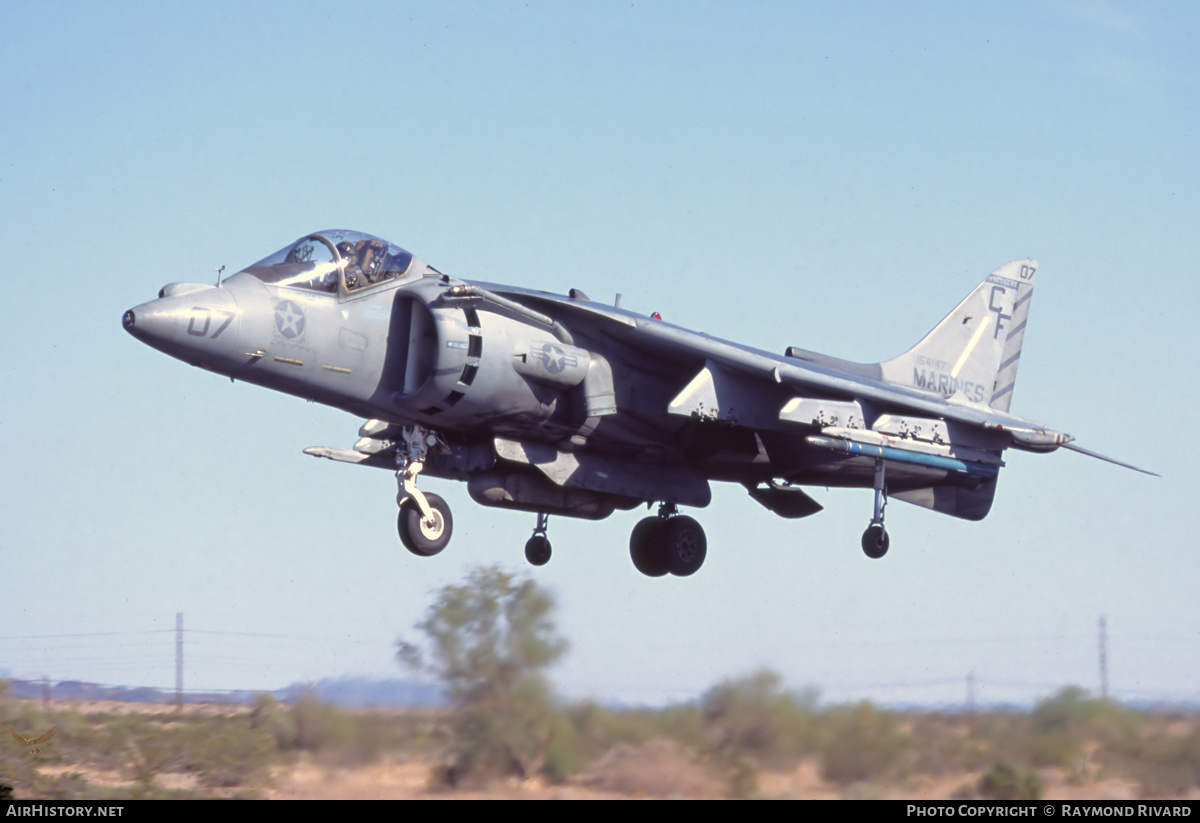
552,358
289,319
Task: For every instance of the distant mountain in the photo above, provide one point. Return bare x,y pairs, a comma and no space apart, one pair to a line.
80,690
347,692
360,692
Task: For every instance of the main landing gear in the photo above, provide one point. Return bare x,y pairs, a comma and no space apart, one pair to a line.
668,542
875,539
425,524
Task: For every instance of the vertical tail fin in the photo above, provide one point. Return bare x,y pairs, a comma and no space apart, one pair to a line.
1010,357
973,354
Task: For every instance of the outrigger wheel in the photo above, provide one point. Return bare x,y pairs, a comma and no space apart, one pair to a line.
875,541
537,548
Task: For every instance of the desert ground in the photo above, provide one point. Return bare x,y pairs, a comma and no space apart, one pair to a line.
98,752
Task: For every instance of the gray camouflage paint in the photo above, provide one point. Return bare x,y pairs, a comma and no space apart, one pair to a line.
558,404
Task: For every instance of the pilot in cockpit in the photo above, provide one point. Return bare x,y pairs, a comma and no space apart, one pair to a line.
350,268
364,262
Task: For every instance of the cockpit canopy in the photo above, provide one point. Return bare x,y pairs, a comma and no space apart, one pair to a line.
319,261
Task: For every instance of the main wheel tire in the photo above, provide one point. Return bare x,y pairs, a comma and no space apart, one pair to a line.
537,550
645,547
422,538
875,541
684,545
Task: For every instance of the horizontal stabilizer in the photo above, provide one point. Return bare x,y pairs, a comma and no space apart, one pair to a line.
1091,453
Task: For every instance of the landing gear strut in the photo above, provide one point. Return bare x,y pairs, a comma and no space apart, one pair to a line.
875,539
668,542
537,548
425,523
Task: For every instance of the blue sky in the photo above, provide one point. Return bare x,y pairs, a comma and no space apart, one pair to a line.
833,176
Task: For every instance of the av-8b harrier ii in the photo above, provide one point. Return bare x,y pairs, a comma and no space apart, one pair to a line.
557,404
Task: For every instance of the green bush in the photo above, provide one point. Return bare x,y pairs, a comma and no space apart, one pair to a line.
489,641
1164,759
754,717
859,743
1005,782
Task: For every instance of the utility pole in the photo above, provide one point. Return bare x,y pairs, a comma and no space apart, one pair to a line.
1103,659
971,699
178,662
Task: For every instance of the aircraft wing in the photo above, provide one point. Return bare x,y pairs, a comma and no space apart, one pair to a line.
685,350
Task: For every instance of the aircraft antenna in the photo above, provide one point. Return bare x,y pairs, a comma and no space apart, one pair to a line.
219,271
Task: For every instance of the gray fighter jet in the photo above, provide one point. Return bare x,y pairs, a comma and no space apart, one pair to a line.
557,404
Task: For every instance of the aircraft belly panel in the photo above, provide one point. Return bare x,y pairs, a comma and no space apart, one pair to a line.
532,492
595,472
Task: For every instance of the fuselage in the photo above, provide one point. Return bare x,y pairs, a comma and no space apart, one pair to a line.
518,386
392,349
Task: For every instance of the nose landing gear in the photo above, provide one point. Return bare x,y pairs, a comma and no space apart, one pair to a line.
424,524
668,542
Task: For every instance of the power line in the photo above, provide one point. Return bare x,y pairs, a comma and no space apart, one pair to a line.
81,634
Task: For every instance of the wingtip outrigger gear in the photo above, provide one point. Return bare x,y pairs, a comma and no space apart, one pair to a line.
875,540
537,548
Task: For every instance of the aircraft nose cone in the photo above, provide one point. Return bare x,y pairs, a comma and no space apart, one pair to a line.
151,322
199,327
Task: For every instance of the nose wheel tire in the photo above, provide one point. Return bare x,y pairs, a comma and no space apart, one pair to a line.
875,541
422,537
537,550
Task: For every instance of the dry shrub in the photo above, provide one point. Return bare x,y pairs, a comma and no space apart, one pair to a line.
754,717
861,744
658,768
1006,782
